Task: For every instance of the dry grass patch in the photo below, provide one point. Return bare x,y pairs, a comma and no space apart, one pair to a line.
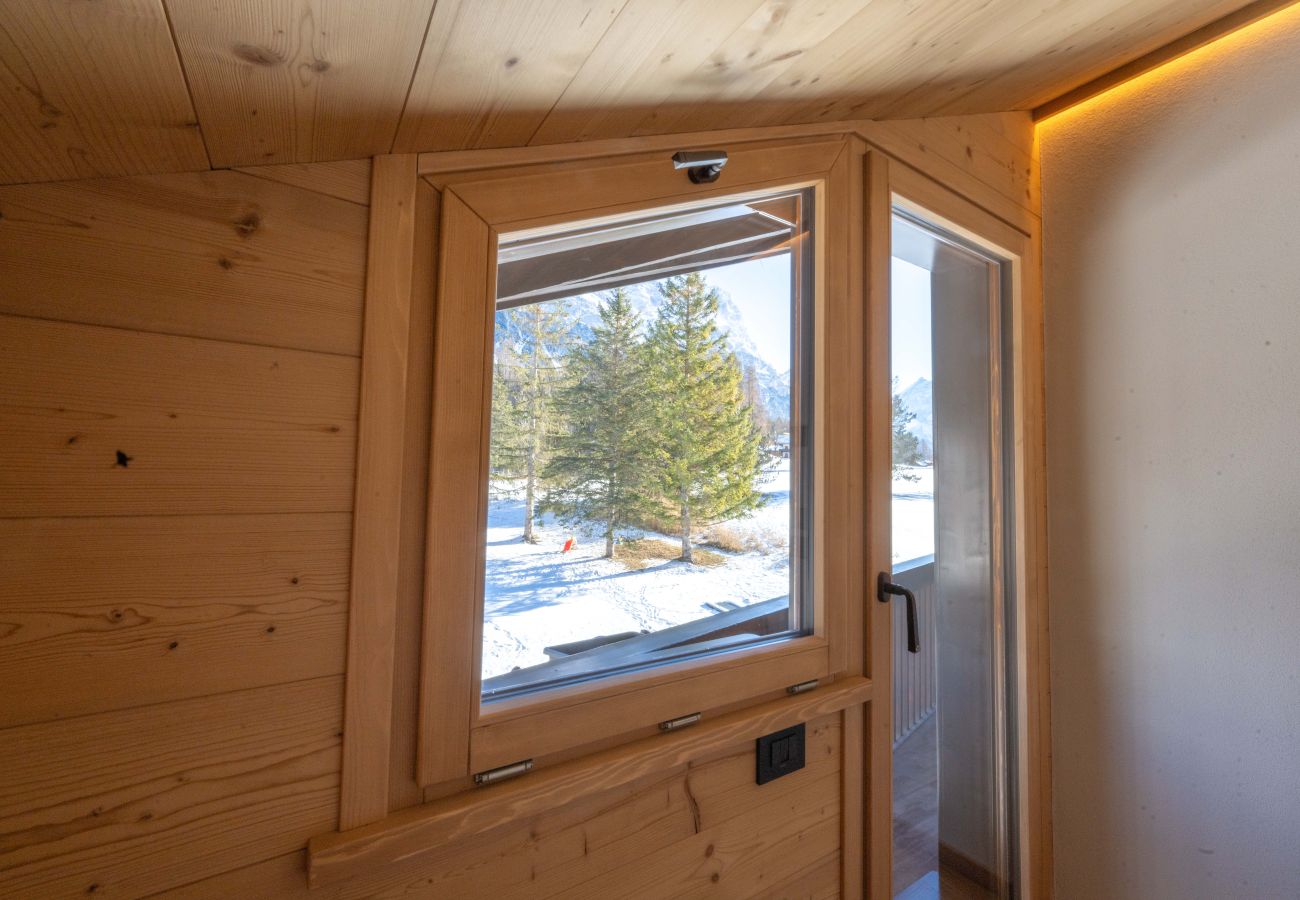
638,554
734,540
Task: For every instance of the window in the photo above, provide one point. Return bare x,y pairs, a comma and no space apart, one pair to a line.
649,461
913,385
559,611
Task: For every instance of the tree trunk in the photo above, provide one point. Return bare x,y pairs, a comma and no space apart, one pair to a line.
609,539
529,498
687,555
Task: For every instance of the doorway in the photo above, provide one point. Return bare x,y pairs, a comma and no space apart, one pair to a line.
952,718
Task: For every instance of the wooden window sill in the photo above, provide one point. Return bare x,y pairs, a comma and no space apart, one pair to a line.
337,856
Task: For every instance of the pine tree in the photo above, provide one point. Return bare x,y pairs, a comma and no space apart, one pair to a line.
907,447
540,337
505,450
753,394
707,450
600,461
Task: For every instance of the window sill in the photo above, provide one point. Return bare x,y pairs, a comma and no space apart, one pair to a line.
337,856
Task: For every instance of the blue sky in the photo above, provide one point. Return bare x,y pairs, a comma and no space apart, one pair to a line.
909,337
760,289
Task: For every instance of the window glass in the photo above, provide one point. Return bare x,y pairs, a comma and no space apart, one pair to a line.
913,409
649,442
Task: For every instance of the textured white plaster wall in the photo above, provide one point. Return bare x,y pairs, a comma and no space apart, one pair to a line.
1172,246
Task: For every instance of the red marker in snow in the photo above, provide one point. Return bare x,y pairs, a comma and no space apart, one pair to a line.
568,545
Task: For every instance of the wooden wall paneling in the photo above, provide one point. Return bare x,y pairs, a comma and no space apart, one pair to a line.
818,881
90,89
995,149
705,811
215,255
948,162
103,421
462,335
108,613
298,80
283,877
877,461
490,71
132,802
338,857
377,516
853,805
404,789
347,179
692,833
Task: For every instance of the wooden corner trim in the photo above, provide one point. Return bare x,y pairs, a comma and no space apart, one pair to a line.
376,521
1206,34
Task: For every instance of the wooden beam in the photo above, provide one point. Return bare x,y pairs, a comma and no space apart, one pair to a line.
336,857
1206,34
377,518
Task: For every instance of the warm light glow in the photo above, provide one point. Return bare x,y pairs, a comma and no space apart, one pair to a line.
1204,56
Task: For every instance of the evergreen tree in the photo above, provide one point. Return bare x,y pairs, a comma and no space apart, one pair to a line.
707,450
907,447
754,400
533,363
505,450
599,463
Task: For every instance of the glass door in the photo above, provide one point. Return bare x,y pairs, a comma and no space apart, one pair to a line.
951,802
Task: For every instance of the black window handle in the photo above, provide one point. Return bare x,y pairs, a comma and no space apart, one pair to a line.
886,589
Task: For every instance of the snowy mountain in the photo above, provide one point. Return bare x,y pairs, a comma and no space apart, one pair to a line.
919,400
773,385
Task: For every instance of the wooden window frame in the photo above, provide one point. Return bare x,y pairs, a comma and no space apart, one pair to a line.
381,802
893,184
458,734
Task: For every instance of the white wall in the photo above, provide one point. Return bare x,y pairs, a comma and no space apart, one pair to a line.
1172,246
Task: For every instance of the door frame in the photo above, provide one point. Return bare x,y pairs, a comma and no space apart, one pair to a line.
890,183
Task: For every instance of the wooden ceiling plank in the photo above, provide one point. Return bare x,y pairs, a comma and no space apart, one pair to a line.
763,49
298,81
847,74
912,52
492,69
90,89
650,47
283,81
966,56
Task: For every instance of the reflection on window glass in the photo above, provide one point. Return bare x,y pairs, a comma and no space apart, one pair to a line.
913,456
645,491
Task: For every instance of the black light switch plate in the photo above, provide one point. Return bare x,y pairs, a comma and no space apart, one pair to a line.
780,753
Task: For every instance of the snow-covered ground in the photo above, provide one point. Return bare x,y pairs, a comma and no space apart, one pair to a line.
536,596
913,511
